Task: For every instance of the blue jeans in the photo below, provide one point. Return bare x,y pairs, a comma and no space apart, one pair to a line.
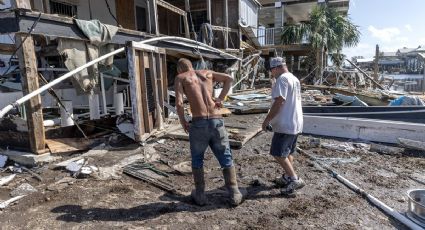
209,132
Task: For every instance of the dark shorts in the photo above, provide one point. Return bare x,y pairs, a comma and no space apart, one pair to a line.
283,144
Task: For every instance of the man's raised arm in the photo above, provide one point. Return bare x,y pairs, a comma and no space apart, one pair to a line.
227,83
178,87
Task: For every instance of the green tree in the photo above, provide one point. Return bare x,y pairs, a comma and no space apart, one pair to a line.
327,31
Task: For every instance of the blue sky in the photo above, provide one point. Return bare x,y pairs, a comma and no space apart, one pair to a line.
392,24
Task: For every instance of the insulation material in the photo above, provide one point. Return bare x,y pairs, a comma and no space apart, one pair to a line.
77,53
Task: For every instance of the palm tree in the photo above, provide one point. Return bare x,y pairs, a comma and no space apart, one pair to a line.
327,31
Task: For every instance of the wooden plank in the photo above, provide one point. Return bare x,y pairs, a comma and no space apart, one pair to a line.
411,144
135,92
57,26
165,83
7,48
364,129
125,13
160,76
33,107
186,27
67,145
154,75
143,90
21,4
171,7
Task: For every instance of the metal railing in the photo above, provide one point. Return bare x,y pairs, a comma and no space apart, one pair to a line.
271,36
266,36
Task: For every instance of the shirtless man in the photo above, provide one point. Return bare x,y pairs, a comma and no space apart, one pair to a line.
207,126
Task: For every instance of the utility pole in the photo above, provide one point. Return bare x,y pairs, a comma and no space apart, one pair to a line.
376,66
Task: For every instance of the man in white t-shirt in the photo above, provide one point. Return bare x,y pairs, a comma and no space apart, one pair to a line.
285,118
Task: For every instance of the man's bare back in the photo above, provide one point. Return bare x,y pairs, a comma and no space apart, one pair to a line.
198,86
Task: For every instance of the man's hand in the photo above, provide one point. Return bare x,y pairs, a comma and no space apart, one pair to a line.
185,126
265,124
218,103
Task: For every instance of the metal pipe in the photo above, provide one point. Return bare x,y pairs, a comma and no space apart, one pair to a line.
88,64
102,87
404,220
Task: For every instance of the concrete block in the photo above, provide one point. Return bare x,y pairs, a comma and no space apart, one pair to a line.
28,159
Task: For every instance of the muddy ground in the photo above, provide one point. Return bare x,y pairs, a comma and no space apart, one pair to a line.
121,201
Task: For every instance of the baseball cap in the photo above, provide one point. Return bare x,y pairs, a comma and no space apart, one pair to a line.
275,62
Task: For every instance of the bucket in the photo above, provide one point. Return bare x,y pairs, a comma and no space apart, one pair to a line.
416,206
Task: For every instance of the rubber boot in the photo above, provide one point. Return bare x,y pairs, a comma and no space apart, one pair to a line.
198,194
232,186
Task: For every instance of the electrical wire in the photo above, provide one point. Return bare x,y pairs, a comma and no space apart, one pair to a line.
110,11
20,45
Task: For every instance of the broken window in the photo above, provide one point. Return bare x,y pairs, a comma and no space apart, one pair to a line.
141,19
64,9
197,18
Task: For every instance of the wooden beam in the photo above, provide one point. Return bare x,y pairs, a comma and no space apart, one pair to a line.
171,7
363,129
136,97
227,29
165,83
57,26
366,75
153,70
186,27
226,23
143,89
33,108
7,48
21,4
155,12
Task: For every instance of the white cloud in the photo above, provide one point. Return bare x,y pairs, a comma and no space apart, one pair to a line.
408,27
385,34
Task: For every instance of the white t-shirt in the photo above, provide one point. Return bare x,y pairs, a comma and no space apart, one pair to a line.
289,119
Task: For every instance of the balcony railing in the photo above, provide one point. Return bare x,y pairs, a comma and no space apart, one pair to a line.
271,36
266,36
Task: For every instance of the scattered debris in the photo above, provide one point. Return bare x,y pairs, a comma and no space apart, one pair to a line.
67,145
140,174
61,184
337,160
6,179
345,147
79,168
23,190
3,160
411,144
384,149
97,151
314,142
184,167
236,140
6,203
35,175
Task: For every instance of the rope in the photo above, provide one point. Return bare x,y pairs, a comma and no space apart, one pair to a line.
110,11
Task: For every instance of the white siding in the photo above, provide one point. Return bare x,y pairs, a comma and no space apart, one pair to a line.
249,13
